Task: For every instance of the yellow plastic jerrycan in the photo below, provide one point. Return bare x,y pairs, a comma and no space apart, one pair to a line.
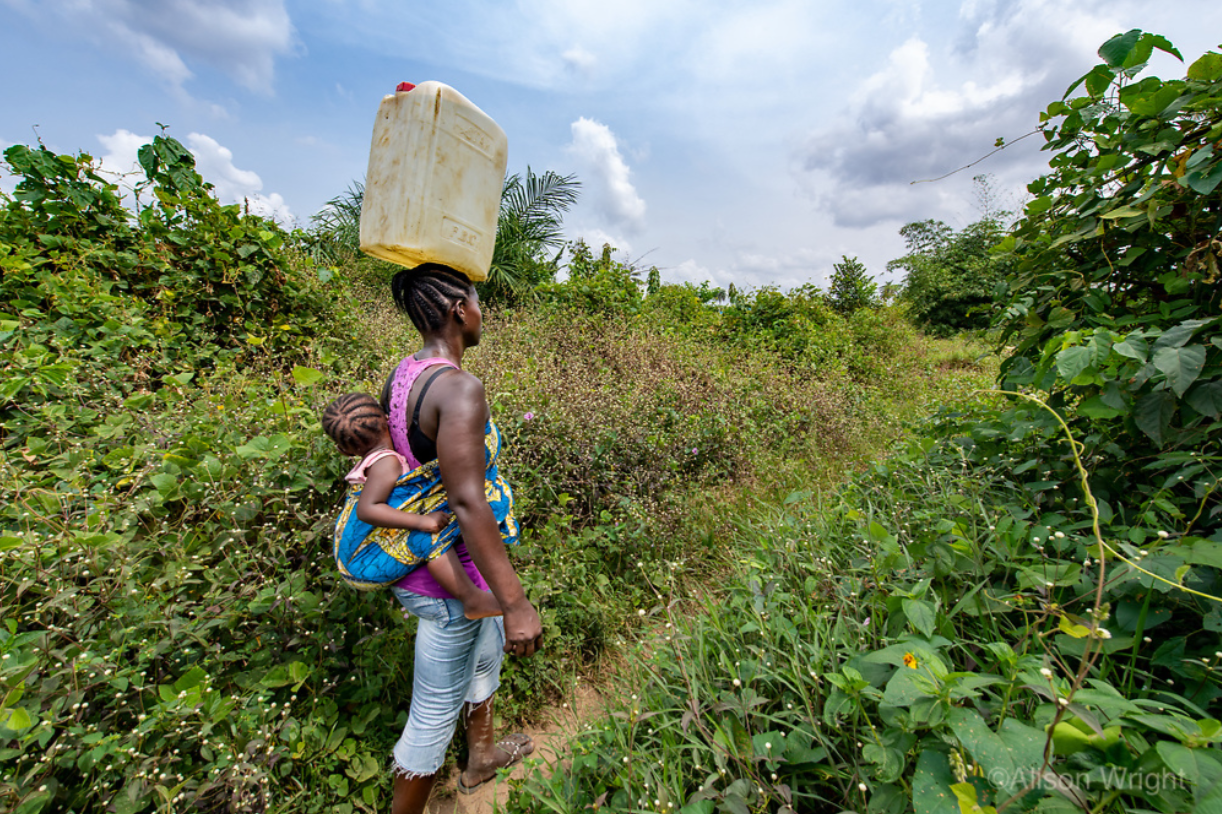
433,189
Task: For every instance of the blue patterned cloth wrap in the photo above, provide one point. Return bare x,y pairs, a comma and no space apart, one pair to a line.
370,557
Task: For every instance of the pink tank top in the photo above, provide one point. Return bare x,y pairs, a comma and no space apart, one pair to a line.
421,581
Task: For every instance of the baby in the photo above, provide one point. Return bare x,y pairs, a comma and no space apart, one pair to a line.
358,426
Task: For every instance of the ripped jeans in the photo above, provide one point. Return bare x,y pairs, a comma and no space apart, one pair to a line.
458,661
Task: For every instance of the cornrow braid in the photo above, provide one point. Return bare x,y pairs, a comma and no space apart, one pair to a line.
354,422
427,292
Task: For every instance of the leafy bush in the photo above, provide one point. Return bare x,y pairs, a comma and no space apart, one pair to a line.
183,283
950,278
602,286
1113,307
921,640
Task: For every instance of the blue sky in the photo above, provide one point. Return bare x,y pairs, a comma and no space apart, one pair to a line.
745,142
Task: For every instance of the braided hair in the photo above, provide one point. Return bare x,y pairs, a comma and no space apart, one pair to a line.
354,422
427,292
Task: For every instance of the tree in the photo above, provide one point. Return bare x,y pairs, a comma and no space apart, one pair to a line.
335,233
852,288
528,228
654,282
950,278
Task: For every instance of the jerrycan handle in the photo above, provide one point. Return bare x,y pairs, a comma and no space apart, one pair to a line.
404,87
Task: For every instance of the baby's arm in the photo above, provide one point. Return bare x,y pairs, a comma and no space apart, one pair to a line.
373,509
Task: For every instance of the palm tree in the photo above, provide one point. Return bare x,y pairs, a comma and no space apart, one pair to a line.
528,228
335,235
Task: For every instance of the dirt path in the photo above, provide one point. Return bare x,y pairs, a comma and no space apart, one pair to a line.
550,736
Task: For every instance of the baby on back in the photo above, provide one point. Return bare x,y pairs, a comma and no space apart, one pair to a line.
359,428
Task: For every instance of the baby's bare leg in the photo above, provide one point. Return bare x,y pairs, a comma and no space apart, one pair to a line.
449,573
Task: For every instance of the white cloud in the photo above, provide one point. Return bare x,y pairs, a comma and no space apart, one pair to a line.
606,176
233,185
242,38
120,159
929,111
213,161
689,271
596,238
785,270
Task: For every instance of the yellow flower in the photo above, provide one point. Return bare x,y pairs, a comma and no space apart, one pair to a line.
910,660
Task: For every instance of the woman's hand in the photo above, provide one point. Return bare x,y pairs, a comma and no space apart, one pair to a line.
523,629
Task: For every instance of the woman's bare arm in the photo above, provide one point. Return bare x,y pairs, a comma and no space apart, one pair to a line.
462,412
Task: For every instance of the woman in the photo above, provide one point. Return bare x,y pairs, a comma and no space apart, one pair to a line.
438,411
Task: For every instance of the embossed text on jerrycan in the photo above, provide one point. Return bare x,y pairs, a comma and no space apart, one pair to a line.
433,189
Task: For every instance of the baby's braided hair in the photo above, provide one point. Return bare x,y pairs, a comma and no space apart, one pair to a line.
354,422
427,292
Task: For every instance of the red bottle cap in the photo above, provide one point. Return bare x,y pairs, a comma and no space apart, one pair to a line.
404,87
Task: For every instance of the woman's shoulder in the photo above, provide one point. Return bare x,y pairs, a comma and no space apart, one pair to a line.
458,384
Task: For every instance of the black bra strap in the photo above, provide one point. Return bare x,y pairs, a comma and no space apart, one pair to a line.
427,384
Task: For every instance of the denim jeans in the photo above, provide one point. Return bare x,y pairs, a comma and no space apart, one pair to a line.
457,661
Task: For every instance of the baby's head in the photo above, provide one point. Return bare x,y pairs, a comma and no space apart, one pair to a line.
356,424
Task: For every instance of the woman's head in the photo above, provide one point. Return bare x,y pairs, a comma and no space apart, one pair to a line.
432,294
356,424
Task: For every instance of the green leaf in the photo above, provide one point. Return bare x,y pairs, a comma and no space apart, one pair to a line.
1077,631
1205,182
1201,771
190,680
1025,744
965,793
1179,335
920,614
1133,347
1208,67
306,376
1116,50
931,784
18,719
1094,407
890,762
906,687
1123,212
164,481
298,672
1153,413
278,676
986,746
1181,365
1072,361
261,447
1097,81
1042,204
1206,398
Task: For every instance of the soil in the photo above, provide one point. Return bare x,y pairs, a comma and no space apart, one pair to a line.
550,737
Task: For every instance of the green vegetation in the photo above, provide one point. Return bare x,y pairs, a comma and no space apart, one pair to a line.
173,633
1019,610
951,278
